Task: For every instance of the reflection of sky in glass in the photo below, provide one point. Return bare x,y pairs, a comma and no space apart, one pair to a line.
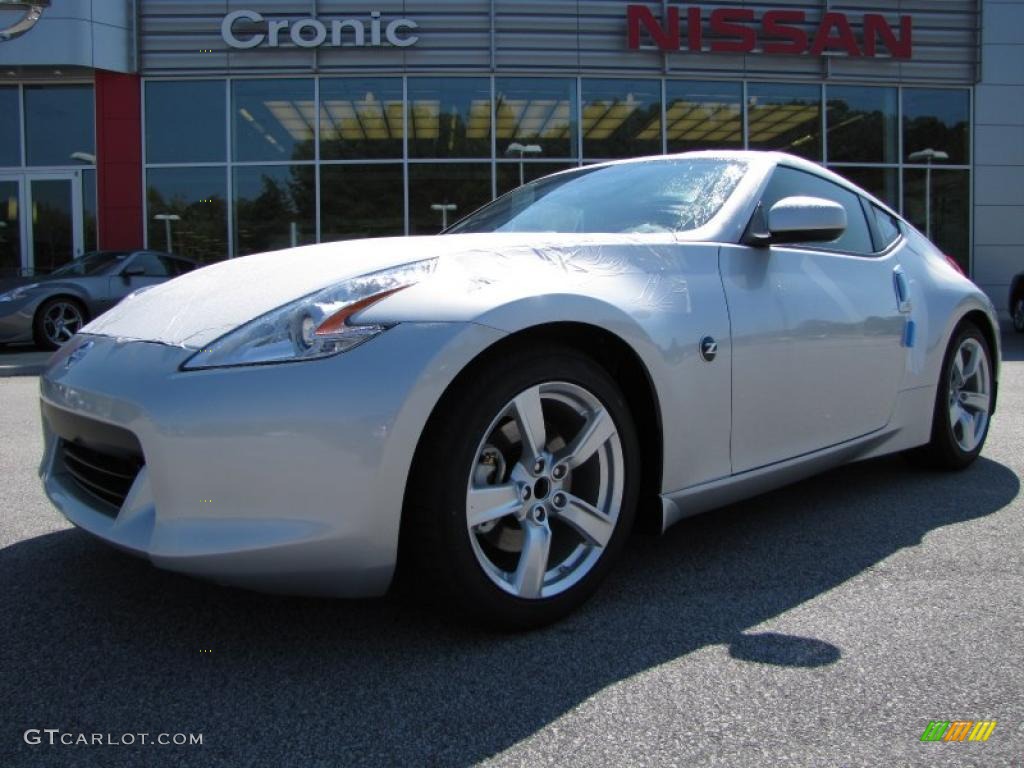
249,181
187,185
58,123
10,140
185,121
273,119
950,107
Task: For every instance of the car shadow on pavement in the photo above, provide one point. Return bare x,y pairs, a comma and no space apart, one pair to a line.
96,641
1013,347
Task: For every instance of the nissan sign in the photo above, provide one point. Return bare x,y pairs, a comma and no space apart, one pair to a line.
741,30
249,29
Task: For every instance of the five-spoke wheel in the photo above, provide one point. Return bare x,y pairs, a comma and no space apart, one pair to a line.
964,402
970,393
524,487
56,321
545,490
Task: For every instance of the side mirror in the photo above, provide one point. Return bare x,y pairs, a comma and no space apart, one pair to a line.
805,220
130,272
796,219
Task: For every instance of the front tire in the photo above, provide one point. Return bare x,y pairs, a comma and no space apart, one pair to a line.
963,403
524,489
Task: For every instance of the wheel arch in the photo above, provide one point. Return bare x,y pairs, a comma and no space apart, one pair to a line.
624,365
67,296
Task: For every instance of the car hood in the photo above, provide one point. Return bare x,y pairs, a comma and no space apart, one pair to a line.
197,308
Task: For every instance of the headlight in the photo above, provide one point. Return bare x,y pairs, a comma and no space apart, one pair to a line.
312,327
17,293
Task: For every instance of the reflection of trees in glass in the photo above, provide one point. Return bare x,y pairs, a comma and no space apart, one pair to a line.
880,182
950,208
939,119
199,235
785,117
933,133
467,185
361,201
857,135
449,117
266,221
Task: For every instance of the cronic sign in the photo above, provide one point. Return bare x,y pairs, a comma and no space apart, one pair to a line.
250,29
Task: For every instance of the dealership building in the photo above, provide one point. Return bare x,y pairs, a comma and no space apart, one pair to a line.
218,129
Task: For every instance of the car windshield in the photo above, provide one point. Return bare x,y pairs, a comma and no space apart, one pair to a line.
671,195
95,263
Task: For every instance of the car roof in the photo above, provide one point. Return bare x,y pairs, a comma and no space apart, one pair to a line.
761,158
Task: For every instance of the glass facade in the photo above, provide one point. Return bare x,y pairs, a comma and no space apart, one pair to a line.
331,158
785,117
198,198
47,167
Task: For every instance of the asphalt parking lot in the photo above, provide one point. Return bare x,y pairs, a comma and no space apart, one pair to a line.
821,625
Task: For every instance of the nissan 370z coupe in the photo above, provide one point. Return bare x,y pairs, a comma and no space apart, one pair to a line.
494,408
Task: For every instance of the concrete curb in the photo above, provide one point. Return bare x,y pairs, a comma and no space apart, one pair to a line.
27,363
7,371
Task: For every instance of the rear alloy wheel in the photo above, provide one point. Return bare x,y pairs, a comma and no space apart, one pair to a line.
961,420
1017,310
56,321
541,493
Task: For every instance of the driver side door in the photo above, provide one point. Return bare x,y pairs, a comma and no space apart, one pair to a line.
817,333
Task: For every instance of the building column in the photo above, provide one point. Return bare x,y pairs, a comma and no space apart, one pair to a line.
119,160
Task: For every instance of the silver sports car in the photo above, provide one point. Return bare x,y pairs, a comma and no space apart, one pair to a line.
493,409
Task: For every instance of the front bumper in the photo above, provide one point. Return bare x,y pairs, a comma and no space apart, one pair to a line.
16,320
285,478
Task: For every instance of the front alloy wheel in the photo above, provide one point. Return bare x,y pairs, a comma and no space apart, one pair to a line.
545,490
524,488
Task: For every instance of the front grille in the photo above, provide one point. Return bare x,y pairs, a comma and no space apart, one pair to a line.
101,475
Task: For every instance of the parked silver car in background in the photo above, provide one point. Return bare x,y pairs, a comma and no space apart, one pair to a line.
50,309
493,409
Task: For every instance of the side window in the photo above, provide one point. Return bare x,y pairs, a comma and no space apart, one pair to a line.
151,264
789,182
888,227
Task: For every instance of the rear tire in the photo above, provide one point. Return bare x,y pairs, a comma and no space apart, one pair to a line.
512,515
962,404
1017,310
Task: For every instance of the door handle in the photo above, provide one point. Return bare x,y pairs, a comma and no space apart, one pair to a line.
902,288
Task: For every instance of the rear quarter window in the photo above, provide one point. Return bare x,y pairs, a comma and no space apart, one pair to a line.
888,227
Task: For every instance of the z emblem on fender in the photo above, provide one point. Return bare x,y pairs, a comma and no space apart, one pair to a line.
708,348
